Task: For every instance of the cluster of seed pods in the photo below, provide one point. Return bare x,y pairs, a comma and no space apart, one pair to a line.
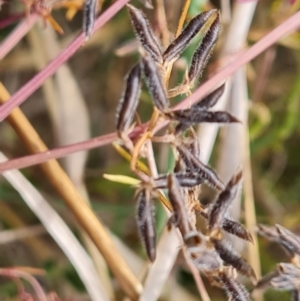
287,275
208,250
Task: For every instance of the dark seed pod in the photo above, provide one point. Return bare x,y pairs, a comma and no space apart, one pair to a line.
235,291
182,41
181,218
145,223
198,116
144,33
154,83
89,16
206,260
288,239
184,179
204,49
194,164
265,281
230,257
222,204
233,228
130,99
236,229
210,100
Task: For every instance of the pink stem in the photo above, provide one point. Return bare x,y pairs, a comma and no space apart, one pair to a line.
18,33
10,20
23,93
288,26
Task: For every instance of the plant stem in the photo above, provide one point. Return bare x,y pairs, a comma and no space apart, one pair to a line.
23,93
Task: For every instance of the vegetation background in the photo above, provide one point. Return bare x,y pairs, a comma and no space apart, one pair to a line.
80,102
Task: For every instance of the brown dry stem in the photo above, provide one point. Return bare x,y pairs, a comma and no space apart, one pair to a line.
85,216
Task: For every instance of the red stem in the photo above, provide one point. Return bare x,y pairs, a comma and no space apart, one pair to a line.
23,93
18,33
11,19
285,28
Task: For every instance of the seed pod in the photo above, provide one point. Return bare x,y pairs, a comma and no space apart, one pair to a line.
210,100
288,239
235,291
233,228
184,179
154,83
229,256
130,99
144,33
89,16
204,50
180,213
236,229
182,41
206,260
145,223
206,103
222,204
194,164
198,116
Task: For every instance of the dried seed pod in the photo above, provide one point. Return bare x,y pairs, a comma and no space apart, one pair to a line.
229,256
222,204
145,223
184,179
235,291
206,260
144,33
198,116
89,16
233,228
130,99
154,83
236,229
210,100
180,219
204,50
182,41
194,164
206,103
288,239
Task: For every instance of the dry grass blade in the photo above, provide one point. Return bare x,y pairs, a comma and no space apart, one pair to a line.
60,232
71,124
76,203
